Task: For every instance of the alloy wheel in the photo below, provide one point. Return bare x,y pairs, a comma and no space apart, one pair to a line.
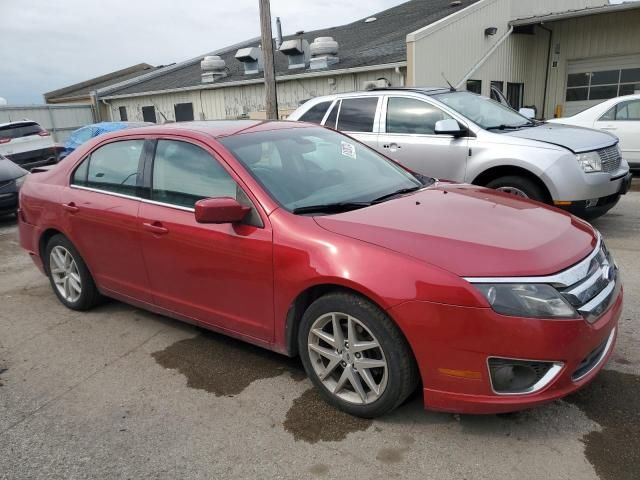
513,191
347,358
65,274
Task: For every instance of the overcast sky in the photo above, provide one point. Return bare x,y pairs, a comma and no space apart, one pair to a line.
47,44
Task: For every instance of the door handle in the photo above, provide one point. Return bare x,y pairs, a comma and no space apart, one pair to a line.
70,207
156,228
609,127
392,146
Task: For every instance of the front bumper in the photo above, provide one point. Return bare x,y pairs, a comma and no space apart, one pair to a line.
452,345
597,207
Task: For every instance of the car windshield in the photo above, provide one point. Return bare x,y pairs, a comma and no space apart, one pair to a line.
483,111
306,168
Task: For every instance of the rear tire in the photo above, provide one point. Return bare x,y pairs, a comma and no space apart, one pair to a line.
369,369
69,276
519,186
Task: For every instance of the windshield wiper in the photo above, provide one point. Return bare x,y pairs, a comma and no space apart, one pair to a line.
396,193
505,127
331,207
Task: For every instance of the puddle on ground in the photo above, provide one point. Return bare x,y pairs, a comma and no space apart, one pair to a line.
311,419
611,400
224,366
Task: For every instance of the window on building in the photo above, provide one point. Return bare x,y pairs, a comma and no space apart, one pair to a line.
411,116
184,112
316,113
123,113
184,173
515,95
357,114
113,168
474,86
602,85
149,114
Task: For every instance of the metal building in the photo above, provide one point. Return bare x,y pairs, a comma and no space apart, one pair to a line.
556,56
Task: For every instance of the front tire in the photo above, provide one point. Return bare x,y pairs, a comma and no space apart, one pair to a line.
356,356
69,276
519,186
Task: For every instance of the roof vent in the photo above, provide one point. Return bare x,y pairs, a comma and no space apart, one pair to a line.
252,59
297,51
324,53
370,20
213,68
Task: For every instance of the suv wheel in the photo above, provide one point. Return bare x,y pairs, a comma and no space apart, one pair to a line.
519,186
356,356
69,276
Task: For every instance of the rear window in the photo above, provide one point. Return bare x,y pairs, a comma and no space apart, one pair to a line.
20,130
357,114
316,113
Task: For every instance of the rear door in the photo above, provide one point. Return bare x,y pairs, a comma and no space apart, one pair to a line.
220,275
623,120
358,117
408,136
101,208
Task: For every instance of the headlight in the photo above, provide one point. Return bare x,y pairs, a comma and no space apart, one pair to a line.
590,162
20,181
527,300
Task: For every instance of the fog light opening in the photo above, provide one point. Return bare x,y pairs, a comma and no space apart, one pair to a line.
513,377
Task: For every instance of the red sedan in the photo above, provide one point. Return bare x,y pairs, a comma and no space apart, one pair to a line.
303,241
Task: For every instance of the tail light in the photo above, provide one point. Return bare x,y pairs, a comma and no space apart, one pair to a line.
4,140
44,133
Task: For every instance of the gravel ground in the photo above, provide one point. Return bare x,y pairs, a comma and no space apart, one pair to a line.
122,393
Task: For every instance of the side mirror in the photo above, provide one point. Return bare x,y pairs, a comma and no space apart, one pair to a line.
449,127
527,112
220,210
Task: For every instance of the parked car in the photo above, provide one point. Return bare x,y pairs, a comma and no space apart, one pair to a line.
464,137
304,241
11,179
86,133
620,116
27,144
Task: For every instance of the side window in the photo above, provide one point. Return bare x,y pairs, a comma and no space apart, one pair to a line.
333,116
629,111
411,116
316,113
184,173
113,168
609,116
357,114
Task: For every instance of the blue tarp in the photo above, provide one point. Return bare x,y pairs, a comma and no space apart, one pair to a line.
88,132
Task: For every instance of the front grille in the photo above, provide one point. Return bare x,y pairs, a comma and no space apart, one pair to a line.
595,290
610,158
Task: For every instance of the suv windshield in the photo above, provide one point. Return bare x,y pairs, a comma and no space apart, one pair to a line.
483,111
306,169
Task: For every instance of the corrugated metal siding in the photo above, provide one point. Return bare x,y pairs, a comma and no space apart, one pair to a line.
605,35
237,101
60,120
529,8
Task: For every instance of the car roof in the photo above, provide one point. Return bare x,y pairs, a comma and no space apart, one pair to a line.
18,123
216,128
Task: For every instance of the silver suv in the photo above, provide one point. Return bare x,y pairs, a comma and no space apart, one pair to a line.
461,136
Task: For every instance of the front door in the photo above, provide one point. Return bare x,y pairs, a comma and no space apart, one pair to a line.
101,208
623,120
220,275
408,136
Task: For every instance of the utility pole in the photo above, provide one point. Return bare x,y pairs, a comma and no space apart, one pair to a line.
269,67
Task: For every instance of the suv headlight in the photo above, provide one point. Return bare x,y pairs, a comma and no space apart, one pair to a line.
527,300
20,181
590,162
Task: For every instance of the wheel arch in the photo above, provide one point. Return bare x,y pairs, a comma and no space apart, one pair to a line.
47,235
511,170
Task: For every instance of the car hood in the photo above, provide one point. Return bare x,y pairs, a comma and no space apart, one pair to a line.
471,231
576,139
9,170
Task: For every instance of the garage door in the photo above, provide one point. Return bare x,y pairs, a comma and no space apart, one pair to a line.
592,81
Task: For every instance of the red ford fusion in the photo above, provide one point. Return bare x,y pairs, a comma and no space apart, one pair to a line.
306,242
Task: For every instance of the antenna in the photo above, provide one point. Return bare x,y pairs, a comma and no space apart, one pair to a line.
453,89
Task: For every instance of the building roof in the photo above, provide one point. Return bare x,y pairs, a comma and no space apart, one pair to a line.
582,12
84,89
381,42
